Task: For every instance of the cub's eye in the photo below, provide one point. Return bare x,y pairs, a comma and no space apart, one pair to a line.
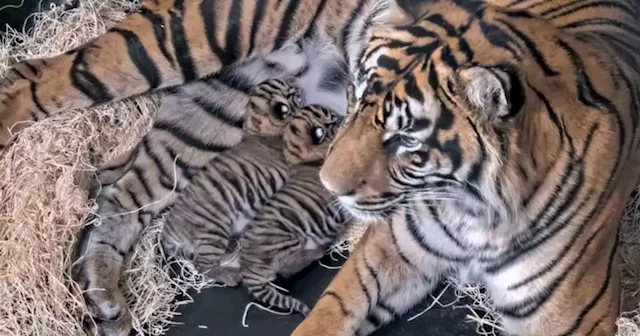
317,135
281,110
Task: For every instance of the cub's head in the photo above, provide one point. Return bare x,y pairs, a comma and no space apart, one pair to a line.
437,113
308,135
271,107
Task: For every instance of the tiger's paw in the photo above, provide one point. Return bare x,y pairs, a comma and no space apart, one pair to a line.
16,109
98,280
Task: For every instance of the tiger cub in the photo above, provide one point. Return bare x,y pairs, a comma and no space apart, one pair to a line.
300,221
232,188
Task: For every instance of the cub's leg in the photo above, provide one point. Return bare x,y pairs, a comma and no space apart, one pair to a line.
257,273
375,284
194,124
291,264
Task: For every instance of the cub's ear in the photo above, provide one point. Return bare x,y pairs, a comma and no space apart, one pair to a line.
493,92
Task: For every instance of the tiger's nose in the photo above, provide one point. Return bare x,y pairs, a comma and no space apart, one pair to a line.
341,185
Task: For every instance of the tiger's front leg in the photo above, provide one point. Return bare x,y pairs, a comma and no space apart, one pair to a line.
149,49
373,286
165,43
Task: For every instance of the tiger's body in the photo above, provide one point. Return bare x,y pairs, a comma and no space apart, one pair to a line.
502,143
301,221
214,208
508,132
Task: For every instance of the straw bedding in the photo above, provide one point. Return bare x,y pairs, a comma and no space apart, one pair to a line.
43,197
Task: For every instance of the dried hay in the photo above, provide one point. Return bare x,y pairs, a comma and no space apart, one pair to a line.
43,193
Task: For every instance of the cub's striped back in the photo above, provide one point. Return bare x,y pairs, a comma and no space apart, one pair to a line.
233,187
301,220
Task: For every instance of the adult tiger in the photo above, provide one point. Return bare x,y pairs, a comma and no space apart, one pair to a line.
501,143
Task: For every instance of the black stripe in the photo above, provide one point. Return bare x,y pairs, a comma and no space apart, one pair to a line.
158,163
364,288
187,138
605,22
32,68
597,324
496,36
187,170
311,30
445,228
132,156
389,310
343,308
208,12
157,21
373,273
590,97
218,112
530,305
548,267
138,55
395,243
412,225
256,23
600,293
232,78
83,80
578,6
478,166
532,48
18,73
464,47
232,39
35,99
441,22
139,173
134,198
357,12
113,247
287,19
180,43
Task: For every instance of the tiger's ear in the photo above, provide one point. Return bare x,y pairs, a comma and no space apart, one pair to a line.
491,91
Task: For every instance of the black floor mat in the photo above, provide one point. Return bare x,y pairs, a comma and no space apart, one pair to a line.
218,312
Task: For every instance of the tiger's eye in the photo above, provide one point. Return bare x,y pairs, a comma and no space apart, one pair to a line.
416,158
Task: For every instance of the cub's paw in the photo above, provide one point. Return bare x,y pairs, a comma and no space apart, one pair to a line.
16,109
227,276
119,327
299,307
98,280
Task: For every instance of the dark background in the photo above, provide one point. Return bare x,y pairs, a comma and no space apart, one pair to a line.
220,310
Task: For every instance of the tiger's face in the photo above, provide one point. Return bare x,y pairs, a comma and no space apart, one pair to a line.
271,107
424,123
308,136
